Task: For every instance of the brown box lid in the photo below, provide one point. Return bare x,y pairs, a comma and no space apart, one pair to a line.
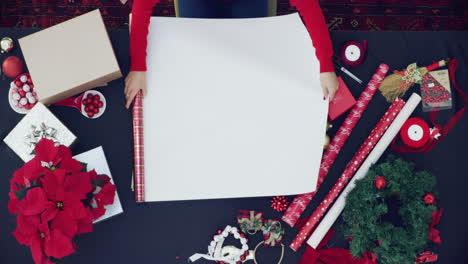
70,58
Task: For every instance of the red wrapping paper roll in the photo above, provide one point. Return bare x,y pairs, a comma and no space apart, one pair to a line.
300,203
138,147
349,171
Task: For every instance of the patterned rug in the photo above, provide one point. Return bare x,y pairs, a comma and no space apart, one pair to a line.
340,14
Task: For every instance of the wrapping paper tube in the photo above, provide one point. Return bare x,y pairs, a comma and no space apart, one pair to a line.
373,157
139,161
300,203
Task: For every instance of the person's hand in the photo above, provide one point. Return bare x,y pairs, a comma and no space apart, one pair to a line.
135,81
329,83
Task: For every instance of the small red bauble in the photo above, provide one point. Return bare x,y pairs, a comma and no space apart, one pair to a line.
91,107
100,104
429,198
380,182
96,96
279,203
18,83
12,66
90,114
96,102
22,93
96,110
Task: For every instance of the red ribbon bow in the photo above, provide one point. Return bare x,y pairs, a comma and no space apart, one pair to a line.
334,255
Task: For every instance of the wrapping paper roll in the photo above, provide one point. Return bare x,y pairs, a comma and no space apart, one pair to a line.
138,148
300,203
373,157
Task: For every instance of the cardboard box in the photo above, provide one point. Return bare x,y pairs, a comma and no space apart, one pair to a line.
38,123
70,58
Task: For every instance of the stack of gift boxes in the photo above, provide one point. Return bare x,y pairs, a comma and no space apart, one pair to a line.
62,62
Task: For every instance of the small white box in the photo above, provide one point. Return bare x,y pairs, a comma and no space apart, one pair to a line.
38,123
96,160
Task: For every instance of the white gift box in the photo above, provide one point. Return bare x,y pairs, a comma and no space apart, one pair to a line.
37,124
96,160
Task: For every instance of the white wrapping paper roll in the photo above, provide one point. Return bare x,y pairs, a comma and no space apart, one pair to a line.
373,157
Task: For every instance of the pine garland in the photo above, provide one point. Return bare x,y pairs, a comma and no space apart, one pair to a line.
365,206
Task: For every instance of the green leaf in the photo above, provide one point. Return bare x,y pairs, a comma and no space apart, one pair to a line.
85,167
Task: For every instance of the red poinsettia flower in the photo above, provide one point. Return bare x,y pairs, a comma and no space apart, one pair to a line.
52,157
64,193
43,241
104,197
34,202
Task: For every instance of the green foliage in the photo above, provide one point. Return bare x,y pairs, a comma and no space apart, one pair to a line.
365,206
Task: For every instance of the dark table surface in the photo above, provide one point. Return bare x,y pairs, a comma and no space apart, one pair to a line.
170,232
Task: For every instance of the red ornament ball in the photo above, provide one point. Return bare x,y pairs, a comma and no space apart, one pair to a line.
12,66
429,198
380,182
279,203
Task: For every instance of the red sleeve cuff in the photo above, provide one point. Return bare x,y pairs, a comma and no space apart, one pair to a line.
137,67
326,65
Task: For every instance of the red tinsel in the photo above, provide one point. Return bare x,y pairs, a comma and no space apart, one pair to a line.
279,203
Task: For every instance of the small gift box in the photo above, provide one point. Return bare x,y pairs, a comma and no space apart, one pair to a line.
70,58
95,159
342,102
435,91
37,124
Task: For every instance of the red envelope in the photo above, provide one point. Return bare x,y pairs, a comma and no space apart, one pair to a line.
342,101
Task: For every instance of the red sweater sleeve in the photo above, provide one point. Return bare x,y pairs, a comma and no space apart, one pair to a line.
315,23
141,12
309,10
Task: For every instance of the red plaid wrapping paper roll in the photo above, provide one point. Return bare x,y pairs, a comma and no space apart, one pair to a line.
139,161
300,202
349,171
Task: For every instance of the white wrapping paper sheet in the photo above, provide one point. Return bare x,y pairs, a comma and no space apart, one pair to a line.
387,138
234,109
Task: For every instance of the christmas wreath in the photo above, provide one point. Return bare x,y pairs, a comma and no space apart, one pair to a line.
369,206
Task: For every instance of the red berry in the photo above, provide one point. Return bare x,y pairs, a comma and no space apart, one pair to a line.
89,96
83,102
89,101
91,107
96,102
90,114
96,110
100,104
22,93
96,96
86,109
